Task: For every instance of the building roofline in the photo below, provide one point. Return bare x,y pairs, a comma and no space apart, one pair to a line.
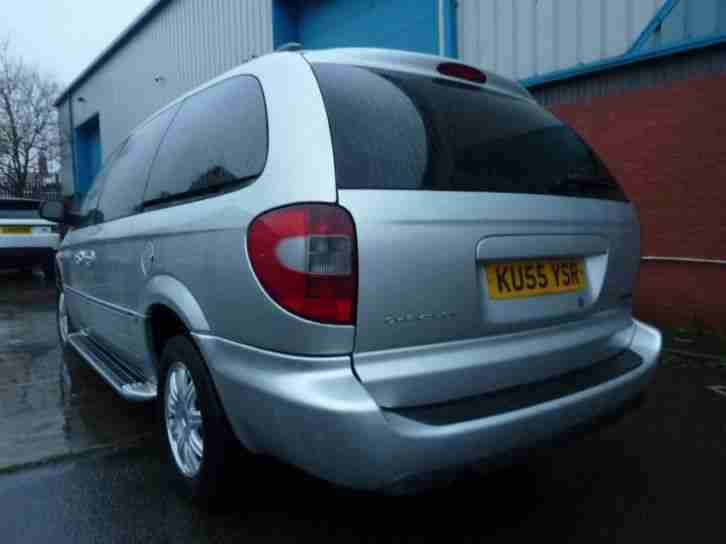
627,59
634,55
136,25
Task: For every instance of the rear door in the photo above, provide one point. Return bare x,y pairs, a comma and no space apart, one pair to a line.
80,275
118,247
482,222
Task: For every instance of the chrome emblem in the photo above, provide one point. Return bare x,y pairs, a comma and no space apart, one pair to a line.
412,318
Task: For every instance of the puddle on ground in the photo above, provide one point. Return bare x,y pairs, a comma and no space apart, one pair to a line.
52,403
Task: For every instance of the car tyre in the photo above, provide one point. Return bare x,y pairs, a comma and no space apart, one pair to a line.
198,439
64,324
49,270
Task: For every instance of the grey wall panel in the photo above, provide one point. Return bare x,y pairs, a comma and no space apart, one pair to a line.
654,73
186,43
690,20
525,38
66,170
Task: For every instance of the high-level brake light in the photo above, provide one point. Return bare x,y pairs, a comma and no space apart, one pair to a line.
462,71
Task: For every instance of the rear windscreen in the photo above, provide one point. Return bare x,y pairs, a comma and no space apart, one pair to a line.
19,209
396,130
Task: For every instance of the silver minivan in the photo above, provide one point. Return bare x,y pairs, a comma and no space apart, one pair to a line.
377,266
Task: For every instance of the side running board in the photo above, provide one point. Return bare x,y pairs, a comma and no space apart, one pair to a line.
125,381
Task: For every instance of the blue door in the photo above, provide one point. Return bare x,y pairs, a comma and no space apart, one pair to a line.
88,154
411,25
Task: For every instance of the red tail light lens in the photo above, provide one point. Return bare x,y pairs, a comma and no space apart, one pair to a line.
462,71
305,258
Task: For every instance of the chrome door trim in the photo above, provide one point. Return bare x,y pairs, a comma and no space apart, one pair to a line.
109,305
528,246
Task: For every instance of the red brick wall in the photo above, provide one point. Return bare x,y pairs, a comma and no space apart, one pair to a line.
667,146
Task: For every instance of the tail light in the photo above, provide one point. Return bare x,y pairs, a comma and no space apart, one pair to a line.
305,258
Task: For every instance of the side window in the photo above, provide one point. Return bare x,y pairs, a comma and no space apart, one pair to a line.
217,140
89,205
127,178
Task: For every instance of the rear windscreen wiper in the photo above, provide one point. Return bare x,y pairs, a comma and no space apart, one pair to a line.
580,184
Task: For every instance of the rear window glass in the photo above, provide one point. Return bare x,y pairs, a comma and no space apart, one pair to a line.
395,130
18,209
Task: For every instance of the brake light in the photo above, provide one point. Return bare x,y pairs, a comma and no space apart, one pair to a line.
305,257
462,71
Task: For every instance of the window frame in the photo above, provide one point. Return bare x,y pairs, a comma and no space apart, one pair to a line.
442,169
140,209
186,197
103,172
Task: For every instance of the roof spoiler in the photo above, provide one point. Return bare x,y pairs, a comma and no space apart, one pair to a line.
290,46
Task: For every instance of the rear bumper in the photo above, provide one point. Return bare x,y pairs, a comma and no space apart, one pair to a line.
26,241
314,413
17,257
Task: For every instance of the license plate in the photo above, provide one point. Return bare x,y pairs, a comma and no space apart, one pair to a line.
519,279
16,230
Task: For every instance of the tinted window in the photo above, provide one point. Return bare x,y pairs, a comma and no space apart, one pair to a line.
126,180
19,209
89,207
217,140
394,130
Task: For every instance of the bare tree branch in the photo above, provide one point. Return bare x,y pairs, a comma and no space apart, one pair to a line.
29,127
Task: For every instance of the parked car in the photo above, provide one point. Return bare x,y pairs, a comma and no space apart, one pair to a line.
374,265
26,240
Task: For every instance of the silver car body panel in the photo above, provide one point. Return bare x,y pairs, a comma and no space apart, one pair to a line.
202,245
441,372
314,413
324,397
440,243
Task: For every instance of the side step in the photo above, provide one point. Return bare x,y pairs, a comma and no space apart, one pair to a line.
126,382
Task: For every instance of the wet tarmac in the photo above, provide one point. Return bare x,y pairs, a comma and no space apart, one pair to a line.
657,476
51,403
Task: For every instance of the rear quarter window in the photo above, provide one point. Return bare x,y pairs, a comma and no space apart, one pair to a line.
126,179
403,131
217,140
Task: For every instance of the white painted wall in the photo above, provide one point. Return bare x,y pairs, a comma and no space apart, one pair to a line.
525,38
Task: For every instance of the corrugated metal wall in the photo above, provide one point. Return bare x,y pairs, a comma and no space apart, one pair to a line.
525,38
410,25
187,42
66,170
690,20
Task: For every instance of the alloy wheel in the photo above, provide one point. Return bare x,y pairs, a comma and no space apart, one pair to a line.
63,324
184,426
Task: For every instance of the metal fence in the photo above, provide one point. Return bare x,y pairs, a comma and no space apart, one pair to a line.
40,190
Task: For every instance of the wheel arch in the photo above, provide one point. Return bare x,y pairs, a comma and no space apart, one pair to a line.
170,309
170,292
